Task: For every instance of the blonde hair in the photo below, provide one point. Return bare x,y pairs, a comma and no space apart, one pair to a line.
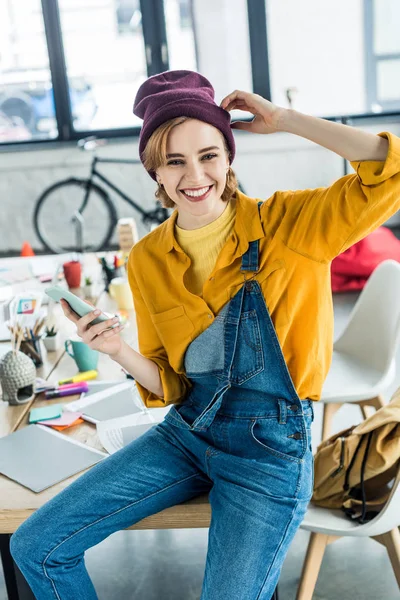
155,155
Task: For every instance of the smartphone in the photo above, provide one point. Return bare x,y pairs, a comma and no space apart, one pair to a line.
77,304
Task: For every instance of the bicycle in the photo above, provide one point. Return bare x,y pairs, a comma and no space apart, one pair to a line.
94,220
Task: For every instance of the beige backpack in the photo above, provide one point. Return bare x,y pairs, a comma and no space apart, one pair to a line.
355,469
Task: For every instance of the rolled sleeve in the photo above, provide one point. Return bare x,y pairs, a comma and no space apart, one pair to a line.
373,172
324,222
175,386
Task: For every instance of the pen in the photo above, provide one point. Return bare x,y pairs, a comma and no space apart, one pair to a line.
78,389
80,377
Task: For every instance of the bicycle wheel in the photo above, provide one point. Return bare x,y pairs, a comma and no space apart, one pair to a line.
64,206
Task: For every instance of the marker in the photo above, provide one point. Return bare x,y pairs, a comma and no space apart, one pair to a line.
77,389
57,387
80,377
67,386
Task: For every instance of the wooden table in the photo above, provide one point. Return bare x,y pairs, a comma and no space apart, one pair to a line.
17,503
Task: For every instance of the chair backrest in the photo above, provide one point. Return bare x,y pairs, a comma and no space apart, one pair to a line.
389,517
373,330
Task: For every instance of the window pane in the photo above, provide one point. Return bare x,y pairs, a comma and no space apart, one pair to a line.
26,93
386,26
180,34
104,52
317,55
388,78
199,34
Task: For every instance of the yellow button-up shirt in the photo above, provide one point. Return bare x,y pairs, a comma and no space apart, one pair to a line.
300,232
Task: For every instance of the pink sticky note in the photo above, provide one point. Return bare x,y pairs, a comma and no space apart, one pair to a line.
66,419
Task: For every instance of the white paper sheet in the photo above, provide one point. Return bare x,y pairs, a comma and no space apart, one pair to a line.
114,434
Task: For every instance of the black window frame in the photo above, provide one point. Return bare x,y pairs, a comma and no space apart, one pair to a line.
156,52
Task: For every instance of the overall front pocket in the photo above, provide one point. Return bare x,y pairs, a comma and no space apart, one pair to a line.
287,441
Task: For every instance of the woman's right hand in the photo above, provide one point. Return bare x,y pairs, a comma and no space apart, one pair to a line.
98,337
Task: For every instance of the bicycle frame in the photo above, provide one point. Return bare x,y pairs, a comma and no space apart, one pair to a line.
95,173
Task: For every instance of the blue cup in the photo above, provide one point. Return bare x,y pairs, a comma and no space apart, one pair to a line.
86,359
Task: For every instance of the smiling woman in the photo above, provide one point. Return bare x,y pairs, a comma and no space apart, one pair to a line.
163,155
234,318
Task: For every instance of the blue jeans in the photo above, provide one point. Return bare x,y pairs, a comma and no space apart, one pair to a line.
260,481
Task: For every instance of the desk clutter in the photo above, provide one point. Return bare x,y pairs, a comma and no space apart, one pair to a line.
27,318
30,273
39,455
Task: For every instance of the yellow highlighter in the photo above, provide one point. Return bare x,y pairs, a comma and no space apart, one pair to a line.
84,376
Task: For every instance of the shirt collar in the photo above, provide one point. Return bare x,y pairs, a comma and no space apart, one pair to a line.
247,226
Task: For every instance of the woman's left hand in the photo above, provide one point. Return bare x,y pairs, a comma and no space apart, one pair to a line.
268,118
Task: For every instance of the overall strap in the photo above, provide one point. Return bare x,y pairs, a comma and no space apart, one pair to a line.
250,257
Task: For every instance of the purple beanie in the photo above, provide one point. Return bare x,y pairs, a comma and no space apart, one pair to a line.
179,94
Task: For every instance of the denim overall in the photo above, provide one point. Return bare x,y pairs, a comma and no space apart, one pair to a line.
244,401
242,435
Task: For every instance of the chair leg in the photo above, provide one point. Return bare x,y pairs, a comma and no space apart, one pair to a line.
378,402
391,540
329,410
365,405
312,565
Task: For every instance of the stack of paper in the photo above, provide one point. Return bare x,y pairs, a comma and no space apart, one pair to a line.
114,434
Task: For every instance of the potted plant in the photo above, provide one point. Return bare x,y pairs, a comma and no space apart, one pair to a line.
88,288
51,339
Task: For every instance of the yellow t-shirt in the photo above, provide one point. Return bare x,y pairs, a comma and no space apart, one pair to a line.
203,246
299,233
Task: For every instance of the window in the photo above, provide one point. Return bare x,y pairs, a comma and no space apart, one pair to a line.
317,55
26,92
221,39
70,68
180,34
105,59
383,43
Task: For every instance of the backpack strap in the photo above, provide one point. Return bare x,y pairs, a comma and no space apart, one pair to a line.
363,518
349,468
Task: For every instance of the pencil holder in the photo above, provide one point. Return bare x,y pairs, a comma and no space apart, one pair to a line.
52,342
17,377
32,348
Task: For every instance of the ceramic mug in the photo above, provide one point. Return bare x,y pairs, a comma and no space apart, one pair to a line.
86,359
120,291
73,273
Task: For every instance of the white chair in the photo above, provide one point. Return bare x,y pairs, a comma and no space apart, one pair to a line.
327,525
363,363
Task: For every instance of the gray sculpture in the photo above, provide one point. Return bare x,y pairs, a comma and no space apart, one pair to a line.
17,377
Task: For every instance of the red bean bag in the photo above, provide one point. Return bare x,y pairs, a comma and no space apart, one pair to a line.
351,269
